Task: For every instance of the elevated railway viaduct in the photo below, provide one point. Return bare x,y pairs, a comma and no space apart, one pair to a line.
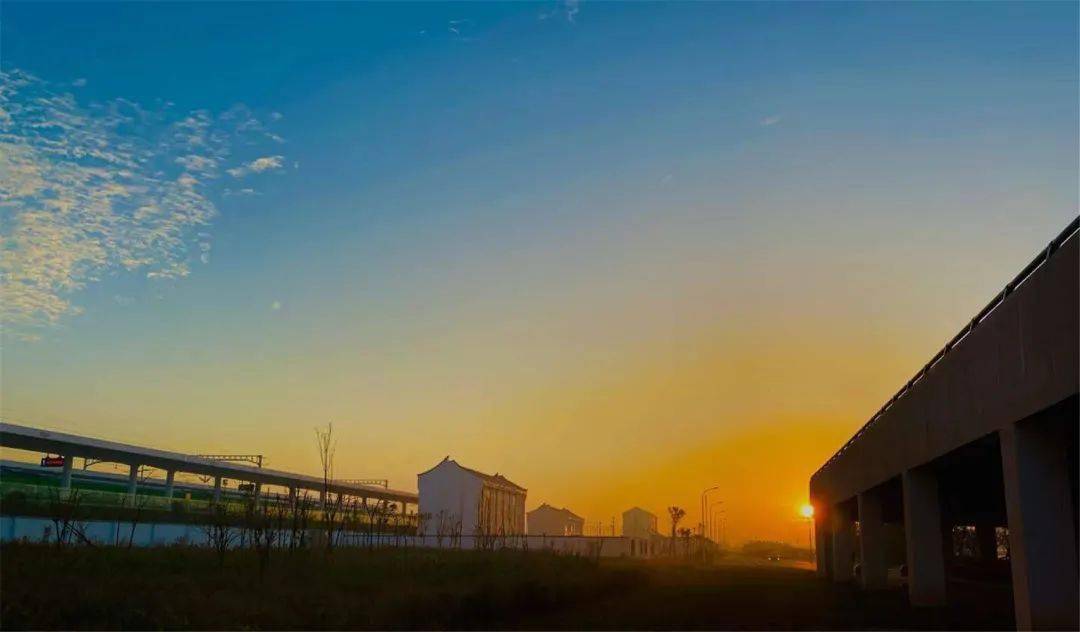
983,438
70,446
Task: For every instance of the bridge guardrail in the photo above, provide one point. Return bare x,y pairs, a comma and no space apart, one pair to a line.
998,299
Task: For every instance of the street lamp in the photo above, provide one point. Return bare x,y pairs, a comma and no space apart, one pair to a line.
704,518
712,517
718,530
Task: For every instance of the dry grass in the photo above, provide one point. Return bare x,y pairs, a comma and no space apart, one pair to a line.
184,587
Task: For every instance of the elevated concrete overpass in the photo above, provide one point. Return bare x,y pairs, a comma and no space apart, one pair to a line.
983,438
70,446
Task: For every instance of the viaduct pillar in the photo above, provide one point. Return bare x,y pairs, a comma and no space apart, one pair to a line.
1042,543
922,530
843,543
65,476
872,541
133,479
822,537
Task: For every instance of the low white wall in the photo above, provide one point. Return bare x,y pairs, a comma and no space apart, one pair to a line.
34,529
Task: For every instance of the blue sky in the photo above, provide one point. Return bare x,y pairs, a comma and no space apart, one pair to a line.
448,216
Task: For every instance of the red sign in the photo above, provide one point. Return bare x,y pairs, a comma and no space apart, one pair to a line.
52,461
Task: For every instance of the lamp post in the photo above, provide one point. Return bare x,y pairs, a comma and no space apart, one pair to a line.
712,517
718,529
704,518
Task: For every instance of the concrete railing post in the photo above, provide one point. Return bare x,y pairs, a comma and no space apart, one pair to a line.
872,541
922,531
1042,544
843,544
217,489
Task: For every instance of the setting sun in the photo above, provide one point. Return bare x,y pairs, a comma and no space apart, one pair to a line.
806,511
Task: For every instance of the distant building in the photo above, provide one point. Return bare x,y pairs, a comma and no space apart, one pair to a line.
638,523
548,520
461,501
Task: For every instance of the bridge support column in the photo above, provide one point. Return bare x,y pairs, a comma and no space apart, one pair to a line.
258,491
292,496
170,477
922,531
872,541
1042,543
217,489
822,535
986,533
133,480
843,544
65,476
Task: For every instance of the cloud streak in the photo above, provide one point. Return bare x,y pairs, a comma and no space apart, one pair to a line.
91,191
567,9
259,165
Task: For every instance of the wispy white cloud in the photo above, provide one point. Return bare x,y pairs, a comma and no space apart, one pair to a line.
769,121
463,30
566,9
259,165
80,82
90,191
244,191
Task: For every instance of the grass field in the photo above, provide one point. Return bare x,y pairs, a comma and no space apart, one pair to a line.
185,587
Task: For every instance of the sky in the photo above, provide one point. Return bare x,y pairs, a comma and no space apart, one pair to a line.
618,253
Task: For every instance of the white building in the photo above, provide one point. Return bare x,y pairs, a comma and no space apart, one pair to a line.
548,520
638,523
639,528
459,501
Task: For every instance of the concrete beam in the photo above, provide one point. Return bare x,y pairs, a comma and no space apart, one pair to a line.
843,544
872,541
922,531
1042,543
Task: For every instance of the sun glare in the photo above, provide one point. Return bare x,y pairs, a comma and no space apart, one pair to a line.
806,511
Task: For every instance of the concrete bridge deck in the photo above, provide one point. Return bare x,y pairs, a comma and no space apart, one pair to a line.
70,446
984,438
